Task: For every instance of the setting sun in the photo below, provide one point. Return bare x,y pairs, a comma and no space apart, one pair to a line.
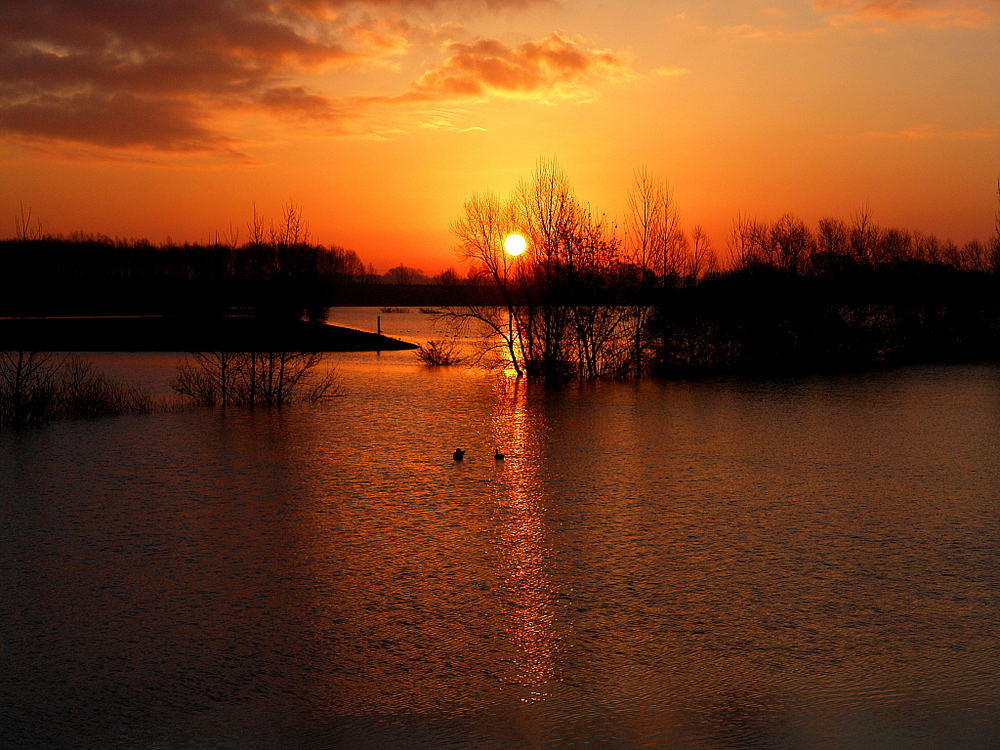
515,244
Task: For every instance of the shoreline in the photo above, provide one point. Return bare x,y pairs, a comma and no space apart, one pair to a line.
173,334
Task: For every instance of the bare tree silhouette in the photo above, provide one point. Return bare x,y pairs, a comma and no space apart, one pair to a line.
560,306
264,379
23,229
28,387
995,243
37,387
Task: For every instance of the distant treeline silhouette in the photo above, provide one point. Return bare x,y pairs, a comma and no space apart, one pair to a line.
99,275
277,272
841,295
766,319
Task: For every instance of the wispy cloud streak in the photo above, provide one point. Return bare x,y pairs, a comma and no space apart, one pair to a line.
934,14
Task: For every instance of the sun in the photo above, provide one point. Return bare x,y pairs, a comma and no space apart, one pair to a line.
515,244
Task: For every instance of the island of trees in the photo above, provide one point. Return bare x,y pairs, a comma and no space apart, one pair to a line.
592,299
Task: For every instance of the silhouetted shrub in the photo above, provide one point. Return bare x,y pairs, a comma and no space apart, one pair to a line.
439,353
255,378
36,388
84,393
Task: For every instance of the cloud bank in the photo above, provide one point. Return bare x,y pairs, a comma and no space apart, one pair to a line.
163,76
154,75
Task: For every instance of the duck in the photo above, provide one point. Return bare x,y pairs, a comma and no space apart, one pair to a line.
497,454
458,455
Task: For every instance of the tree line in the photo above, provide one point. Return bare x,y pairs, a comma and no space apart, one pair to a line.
277,272
592,298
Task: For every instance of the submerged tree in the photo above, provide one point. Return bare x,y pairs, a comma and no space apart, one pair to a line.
255,378
554,311
440,353
28,387
485,222
37,387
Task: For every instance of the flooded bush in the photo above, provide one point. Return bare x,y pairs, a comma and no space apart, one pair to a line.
36,388
28,388
255,378
439,353
85,393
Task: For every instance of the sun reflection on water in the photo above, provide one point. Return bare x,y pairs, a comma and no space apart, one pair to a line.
522,541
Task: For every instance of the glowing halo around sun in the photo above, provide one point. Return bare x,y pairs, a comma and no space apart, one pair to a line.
514,245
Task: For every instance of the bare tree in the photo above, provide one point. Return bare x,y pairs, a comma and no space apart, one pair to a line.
894,246
654,246
995,243
789,244
996,213
36,387
701,257
570,251
440,352
485,222
926,248
85,393
603,326
28,387
292,230
255,228
254,378
863,235
747,242
645,222
553,317
230,238
832,237
23,229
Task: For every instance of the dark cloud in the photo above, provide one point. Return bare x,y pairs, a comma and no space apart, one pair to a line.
152,73
115,121
298,101
33,71
159,74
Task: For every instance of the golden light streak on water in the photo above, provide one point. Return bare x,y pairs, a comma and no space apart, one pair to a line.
521,538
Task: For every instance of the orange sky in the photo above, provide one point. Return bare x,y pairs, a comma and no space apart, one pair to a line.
153,119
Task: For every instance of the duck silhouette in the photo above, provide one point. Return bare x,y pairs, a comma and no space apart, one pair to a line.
497,454
458,455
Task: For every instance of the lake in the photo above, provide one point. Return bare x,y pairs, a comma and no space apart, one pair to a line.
728,563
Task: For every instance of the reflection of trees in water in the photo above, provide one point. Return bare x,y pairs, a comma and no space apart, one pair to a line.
521,539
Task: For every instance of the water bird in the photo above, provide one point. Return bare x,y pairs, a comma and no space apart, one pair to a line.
458,455
497,454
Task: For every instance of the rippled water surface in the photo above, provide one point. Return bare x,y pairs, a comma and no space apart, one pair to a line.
727,564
